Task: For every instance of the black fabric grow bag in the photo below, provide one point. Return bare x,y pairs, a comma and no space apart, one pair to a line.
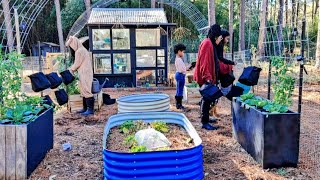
250,76
67,77
109,101
210,92
54,79
62,96
227,79
48,100
39,82
105,97
235,91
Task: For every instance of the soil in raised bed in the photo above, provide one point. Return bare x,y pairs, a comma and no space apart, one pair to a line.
177,135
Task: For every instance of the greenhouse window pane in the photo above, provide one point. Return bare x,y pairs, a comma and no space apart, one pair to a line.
146,78
121,63
148,37
102,63
120,39
101,39
146,58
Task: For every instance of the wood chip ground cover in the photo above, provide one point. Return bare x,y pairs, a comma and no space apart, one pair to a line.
223,156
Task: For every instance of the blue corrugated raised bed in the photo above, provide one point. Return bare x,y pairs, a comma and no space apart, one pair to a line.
160,165
143,103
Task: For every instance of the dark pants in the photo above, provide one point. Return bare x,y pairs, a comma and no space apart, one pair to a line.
205,109
180,79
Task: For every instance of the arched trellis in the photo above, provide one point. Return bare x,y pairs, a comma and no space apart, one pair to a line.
185,6
28,11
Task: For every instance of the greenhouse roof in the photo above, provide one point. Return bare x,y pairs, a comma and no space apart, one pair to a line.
130,16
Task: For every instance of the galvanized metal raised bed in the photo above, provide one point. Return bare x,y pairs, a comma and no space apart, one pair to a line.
143,103
184,164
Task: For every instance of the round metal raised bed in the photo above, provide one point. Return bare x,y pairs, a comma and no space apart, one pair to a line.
143,103
159,165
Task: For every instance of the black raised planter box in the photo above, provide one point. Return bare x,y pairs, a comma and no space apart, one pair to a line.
271,139
23,147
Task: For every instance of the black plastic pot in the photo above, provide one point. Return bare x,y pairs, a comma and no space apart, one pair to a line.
39,82
62,97
67,77
271,139
54,79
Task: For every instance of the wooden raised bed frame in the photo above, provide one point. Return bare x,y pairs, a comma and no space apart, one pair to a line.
75,102
23,147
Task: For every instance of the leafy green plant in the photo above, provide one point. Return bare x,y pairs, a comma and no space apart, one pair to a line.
284,83
127,127
282,172
72,88
160,126
194,84
129,141
135,149
139,125
246,96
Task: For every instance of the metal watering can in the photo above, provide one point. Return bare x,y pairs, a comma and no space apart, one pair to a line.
96,87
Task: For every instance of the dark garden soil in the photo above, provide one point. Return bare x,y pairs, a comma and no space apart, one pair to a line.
177,135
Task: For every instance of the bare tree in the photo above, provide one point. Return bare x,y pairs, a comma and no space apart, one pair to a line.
242,26
59,25
262,31
298,9
7,21
211,12
293,12
153,3
279,27
87,3
231,23
318,46
286,6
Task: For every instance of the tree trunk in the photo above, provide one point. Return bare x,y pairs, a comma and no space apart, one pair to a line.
211,12
231,24
7,21
87,3
153,3
318,46
293,13
161,3
242,27
317,6
262,31
280,25
297,16
59,25
287,20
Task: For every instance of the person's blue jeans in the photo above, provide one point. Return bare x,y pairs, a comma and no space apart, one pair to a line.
180,79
